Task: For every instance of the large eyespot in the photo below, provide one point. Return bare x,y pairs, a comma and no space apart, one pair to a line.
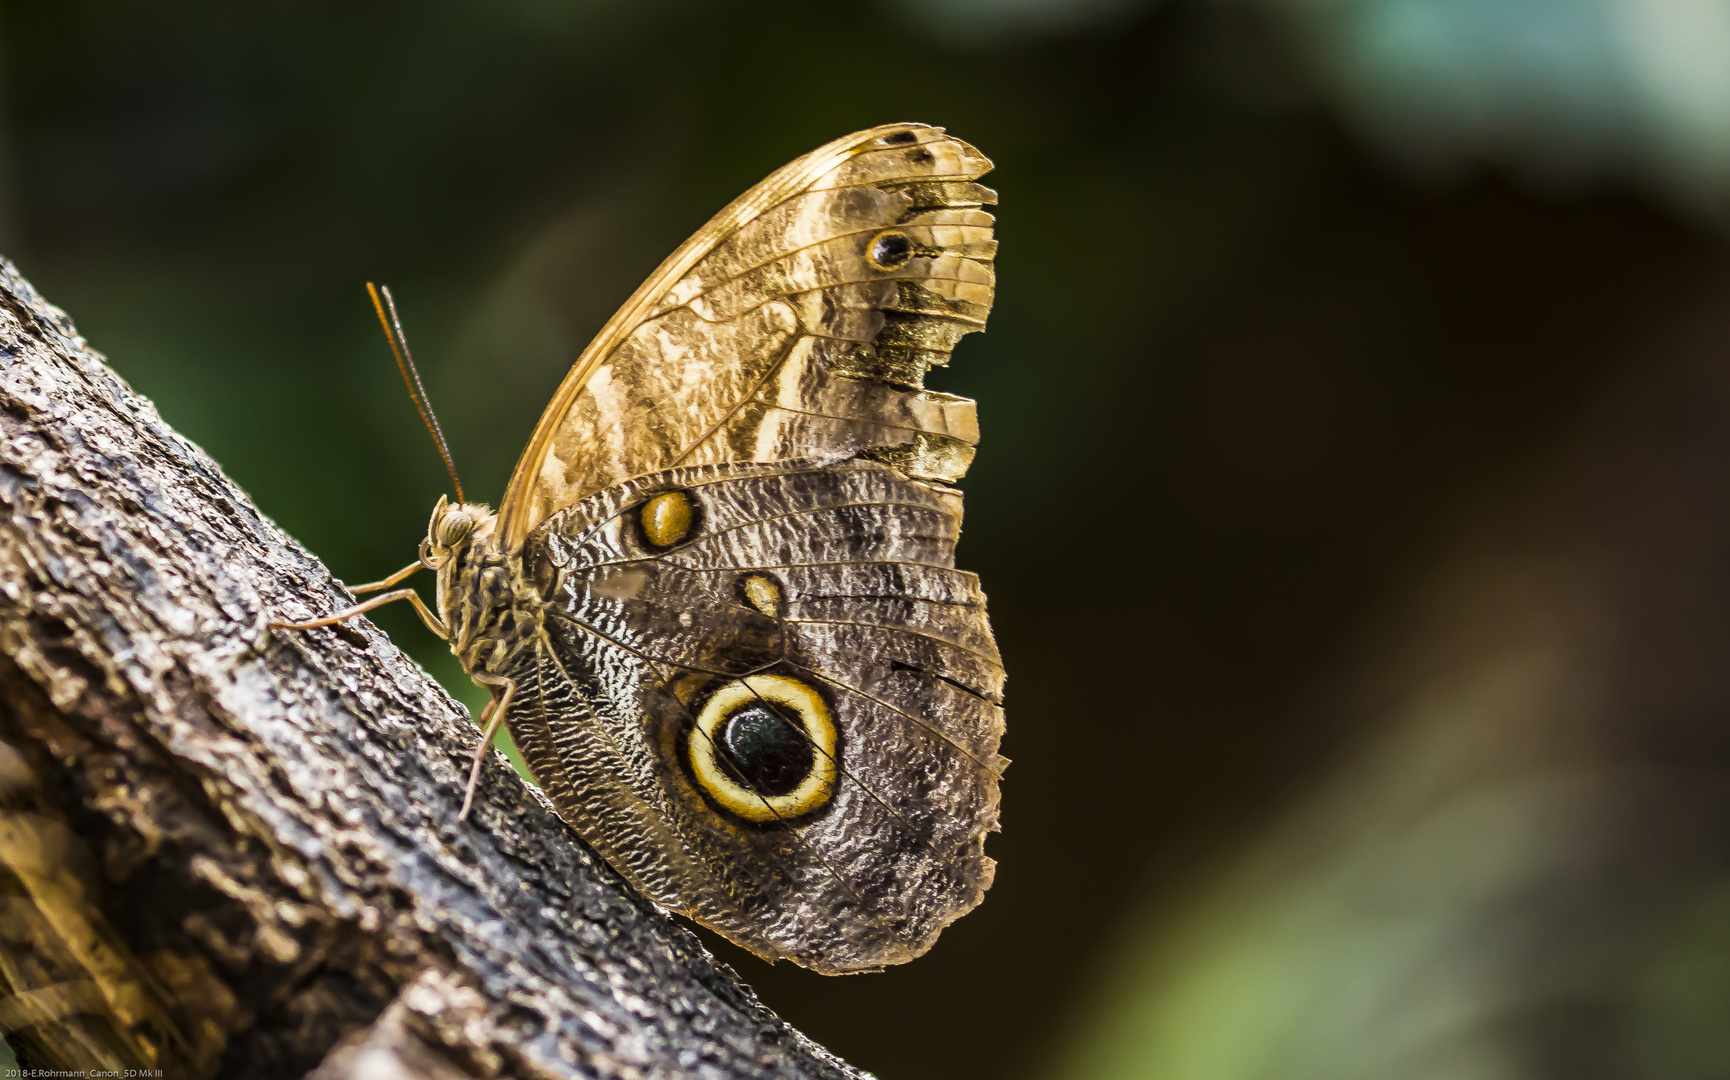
454,526
765,748
888,250
668,519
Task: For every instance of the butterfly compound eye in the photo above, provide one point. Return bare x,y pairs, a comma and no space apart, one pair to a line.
764,748
453,528
889,250
668,519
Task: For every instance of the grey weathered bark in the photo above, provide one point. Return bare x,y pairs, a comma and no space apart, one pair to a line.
227,850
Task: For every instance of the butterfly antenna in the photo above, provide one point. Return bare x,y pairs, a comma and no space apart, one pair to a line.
411,375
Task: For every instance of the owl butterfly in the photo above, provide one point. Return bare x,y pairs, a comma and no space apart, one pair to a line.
718,608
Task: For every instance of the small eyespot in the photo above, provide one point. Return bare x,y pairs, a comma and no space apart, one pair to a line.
888,250
453,528
668,519
765,748
762,592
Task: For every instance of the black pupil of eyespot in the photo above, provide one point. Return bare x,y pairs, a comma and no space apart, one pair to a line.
891,249
769,753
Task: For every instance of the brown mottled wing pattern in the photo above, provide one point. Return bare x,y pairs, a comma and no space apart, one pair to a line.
866,608
798,323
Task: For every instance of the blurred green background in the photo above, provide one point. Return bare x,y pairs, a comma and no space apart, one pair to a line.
1355,495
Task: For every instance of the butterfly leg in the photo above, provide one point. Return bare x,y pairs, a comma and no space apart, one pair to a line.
425,613
491,717
375,586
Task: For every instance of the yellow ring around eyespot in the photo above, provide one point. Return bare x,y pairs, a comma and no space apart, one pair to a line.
811,711
871,247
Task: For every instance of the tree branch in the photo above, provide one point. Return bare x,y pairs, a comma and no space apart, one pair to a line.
228,851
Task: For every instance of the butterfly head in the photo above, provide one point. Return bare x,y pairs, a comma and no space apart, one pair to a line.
453,530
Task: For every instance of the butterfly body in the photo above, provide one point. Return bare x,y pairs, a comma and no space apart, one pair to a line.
718,608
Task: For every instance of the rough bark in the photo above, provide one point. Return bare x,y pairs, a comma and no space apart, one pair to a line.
226,850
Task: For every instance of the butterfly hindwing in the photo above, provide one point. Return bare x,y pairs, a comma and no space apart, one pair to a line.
779,712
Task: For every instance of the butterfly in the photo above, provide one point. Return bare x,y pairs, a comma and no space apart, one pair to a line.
717,607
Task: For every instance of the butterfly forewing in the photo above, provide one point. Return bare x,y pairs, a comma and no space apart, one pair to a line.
798,323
